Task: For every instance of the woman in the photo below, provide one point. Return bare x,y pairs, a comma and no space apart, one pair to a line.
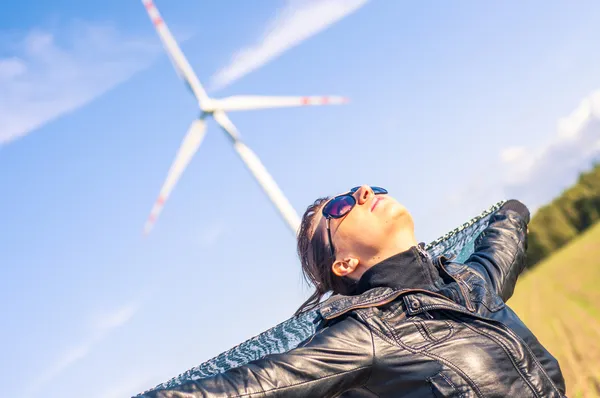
399,323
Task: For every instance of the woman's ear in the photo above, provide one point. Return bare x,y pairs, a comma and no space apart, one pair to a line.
345,267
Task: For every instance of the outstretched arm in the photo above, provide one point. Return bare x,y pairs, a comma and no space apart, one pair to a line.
332,361
500,249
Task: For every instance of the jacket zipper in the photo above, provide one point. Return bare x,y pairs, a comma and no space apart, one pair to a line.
422,252
460,286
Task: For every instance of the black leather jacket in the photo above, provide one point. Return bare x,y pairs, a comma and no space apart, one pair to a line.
455,339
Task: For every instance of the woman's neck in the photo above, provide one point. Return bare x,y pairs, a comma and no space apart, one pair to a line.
402,243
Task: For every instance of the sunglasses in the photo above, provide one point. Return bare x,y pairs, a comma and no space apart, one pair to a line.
341,205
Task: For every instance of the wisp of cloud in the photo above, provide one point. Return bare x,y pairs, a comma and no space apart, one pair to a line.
296,22
539,174
535,175
102,326
49,74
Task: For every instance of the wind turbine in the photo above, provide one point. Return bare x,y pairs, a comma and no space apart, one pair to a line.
216,108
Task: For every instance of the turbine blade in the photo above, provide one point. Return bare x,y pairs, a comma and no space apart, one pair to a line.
261,174
186,151
247,102
179,60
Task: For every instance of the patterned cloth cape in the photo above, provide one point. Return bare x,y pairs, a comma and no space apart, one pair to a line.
458,243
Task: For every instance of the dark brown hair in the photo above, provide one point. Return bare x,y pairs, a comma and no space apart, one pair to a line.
316,260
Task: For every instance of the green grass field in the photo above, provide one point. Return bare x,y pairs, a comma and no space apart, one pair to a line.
559,300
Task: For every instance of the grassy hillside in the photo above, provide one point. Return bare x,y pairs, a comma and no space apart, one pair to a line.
560,302
571,213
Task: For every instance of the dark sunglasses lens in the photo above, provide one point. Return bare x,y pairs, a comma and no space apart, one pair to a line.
339,206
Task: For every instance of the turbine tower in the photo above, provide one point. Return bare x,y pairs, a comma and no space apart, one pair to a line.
217,108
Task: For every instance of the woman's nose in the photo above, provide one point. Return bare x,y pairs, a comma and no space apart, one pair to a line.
363,194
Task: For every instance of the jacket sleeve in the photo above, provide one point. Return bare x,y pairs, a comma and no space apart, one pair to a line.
334,360
500,250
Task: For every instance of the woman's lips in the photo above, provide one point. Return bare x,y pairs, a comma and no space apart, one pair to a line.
375,202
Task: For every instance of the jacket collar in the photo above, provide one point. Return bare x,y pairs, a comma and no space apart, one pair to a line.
410,269
424,278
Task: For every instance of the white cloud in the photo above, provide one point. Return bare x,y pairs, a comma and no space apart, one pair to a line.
539,174
11,68
115,319
512,154
102,326
533,175
294,23
49,74
211,234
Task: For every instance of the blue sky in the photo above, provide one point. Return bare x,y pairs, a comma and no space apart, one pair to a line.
453,107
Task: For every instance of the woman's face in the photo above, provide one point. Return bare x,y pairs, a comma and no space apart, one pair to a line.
372,224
